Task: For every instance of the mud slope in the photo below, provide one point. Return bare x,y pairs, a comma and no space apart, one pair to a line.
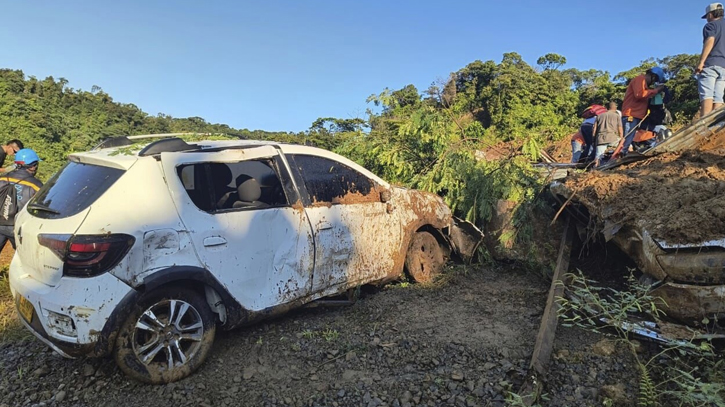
679,198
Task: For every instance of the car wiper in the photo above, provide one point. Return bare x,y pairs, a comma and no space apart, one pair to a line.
39,207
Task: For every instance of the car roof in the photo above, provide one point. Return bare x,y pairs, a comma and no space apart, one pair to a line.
123,157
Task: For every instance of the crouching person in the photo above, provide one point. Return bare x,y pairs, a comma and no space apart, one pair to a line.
577,146
16,189
607,131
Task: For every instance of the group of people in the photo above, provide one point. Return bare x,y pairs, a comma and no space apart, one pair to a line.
608,128
21,177
643,109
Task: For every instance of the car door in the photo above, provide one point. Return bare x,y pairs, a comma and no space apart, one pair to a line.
357,235
262,249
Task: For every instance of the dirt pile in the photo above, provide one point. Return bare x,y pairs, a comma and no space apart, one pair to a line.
679,198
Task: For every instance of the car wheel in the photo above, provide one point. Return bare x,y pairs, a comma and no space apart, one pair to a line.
424,260
166,337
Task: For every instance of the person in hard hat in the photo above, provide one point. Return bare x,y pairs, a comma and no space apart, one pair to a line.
26,185
636,103
711,68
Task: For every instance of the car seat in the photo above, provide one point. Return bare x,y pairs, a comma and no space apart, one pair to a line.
248,194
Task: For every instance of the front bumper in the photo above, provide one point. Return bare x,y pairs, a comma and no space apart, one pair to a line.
91,306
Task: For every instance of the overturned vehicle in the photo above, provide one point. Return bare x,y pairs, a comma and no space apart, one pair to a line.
665,208
143,250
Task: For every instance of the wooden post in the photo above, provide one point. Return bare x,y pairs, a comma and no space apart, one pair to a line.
531,389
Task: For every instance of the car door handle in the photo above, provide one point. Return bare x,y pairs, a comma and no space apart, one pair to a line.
324,225
213,241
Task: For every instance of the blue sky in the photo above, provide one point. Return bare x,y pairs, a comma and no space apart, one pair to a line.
280,64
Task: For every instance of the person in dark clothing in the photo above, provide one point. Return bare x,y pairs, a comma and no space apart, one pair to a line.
10,148
26,185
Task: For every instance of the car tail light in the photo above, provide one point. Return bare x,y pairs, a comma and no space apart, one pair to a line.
87,255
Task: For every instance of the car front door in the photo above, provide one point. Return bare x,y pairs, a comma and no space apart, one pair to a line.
236,206
357,236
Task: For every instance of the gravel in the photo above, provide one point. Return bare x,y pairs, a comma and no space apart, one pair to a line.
464,341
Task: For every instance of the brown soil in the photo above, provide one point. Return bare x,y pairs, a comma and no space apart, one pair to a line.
678,198
561,150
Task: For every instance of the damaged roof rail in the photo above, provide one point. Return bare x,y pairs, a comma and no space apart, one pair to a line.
120,141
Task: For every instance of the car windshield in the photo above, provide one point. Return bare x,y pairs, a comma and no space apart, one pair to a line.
72,189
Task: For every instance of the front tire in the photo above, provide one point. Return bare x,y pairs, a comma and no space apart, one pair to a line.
424,260
166,337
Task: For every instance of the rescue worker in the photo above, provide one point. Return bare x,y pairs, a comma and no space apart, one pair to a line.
636,103
26,185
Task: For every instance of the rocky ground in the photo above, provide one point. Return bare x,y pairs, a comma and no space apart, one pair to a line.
464,341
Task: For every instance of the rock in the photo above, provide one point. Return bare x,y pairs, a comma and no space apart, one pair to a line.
341,393
88,370
248,373
60,396
616,393
349,375
604,348
41,371
561,355
457,376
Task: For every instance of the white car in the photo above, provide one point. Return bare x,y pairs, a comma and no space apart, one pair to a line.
142,251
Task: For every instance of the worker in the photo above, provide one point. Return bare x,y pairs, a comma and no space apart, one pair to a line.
711,68
608,130
636,103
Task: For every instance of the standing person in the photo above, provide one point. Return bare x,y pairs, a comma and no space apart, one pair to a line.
26,185
10,148
607,131
636,103
711,69
577,146
587,129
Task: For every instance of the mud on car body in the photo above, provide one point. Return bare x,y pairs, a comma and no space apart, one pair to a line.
142,252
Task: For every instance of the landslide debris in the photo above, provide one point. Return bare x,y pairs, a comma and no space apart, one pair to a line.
679,198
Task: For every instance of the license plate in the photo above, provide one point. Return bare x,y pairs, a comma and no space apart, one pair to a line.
25,308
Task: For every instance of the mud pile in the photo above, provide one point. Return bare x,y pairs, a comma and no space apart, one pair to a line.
679,198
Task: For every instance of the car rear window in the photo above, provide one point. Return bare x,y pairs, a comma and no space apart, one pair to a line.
73,189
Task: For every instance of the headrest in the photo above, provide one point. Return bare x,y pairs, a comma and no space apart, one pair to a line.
249,190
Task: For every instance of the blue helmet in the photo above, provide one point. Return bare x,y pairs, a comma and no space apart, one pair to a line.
659,72
26,157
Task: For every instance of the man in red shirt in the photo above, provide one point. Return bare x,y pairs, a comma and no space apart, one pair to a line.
636,102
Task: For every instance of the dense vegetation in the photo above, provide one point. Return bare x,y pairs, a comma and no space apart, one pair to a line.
470,138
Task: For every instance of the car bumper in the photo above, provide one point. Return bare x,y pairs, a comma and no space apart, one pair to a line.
76,317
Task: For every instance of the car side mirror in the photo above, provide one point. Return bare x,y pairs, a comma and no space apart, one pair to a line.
385,195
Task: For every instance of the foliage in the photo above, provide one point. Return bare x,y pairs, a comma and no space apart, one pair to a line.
470,138
683,373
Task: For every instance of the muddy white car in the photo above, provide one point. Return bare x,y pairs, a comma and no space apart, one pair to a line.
143,251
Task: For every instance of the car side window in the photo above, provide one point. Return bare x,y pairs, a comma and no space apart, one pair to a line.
330,182
253,184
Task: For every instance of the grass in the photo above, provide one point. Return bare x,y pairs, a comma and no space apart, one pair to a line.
10,327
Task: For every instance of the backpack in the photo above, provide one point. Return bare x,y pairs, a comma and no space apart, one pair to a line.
8,203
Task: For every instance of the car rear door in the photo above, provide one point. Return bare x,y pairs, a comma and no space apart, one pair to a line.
358,237
261,252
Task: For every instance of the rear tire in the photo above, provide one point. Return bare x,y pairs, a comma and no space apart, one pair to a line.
166,337
424,260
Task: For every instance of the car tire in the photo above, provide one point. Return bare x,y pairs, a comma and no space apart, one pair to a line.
424,259
166,337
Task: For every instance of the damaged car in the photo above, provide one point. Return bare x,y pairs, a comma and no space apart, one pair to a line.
143,250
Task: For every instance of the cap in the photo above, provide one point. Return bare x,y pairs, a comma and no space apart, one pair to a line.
712,7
